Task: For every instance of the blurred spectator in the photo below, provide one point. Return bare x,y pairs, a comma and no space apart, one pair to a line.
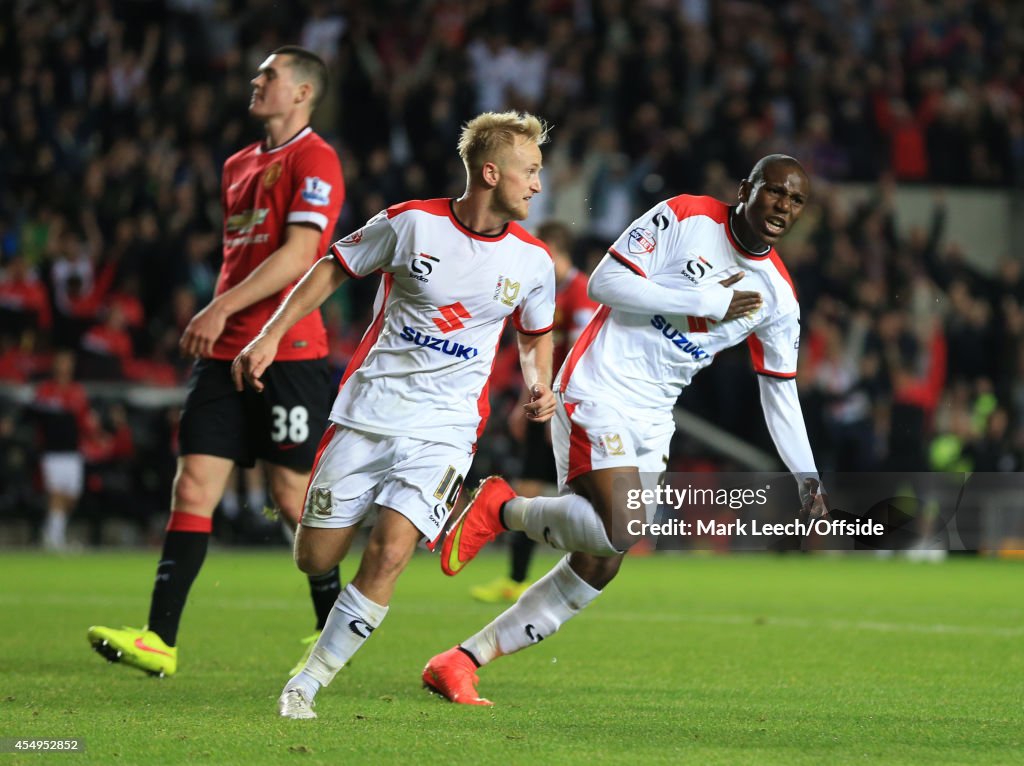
62,413
114,123
24,301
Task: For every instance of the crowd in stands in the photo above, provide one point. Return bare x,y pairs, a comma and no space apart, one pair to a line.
116,117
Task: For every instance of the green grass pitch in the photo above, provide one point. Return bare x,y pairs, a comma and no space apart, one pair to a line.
741,659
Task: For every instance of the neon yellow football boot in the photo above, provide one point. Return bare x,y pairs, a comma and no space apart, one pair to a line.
503,590
140,648
309,642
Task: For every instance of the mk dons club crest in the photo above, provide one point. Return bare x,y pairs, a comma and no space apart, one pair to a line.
612,444
507,291
320,502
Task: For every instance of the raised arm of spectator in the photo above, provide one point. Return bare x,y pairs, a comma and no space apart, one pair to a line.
936,269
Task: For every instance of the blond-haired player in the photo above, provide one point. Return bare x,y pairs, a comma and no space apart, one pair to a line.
414,400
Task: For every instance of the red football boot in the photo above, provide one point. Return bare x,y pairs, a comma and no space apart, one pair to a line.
478,525
452,675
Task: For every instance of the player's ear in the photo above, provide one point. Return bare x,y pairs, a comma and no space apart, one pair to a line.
491,174
304,93
744,191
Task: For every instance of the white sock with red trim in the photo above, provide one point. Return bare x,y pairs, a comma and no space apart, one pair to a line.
568,523
543,608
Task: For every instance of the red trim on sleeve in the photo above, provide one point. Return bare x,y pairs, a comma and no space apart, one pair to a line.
626,262
579,447
336,254
586,338
370,337
756,352
757,358
189,522
524,331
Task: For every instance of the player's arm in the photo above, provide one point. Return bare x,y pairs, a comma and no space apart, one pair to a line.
282,268
619,287
785,420
535,359
312,290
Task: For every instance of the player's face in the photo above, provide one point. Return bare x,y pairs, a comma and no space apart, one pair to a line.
775,204
273,89
520,180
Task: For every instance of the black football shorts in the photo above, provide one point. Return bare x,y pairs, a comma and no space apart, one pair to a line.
283,425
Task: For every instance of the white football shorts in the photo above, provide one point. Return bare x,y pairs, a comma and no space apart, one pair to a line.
356,472
590,435
63,473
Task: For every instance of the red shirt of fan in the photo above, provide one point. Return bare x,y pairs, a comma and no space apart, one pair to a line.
262,191
573,311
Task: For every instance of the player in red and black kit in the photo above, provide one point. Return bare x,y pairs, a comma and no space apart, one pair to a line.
281,198
573,310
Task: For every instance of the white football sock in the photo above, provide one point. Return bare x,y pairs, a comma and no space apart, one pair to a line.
55,532
542,609
352,620
568,523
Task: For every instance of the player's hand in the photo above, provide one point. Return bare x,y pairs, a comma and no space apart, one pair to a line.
813,501
744,302
252,362
202,332
541,406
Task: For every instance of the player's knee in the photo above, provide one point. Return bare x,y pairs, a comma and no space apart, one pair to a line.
385,560
311,561
596,571
192,495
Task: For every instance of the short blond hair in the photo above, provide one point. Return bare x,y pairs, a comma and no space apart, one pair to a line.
487,133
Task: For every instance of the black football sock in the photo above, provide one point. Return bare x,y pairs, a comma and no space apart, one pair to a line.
180,562
324,590
522,552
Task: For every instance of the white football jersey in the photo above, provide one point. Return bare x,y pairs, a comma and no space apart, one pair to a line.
422,367
643,361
